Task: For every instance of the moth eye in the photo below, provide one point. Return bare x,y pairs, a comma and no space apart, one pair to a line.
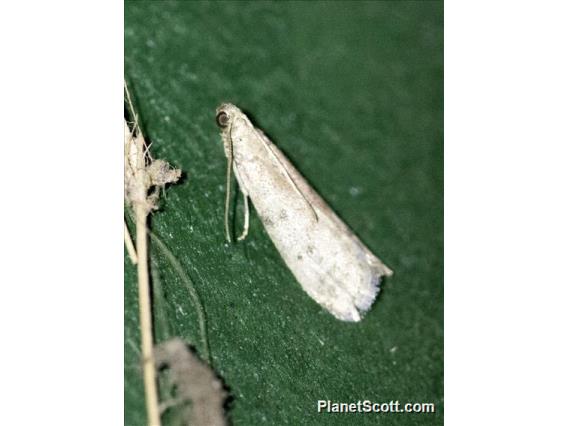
222,119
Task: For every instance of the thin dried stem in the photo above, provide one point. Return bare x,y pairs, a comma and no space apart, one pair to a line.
130,245
139,189
150,385
192,293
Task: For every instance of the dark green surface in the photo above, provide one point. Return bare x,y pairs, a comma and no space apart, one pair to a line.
352,92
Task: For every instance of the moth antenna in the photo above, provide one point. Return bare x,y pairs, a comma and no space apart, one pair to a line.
228,185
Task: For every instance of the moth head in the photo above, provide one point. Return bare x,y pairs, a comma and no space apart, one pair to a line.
222,119
226,113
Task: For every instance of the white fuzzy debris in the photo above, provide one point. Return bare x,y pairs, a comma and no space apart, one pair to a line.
331,264
144,177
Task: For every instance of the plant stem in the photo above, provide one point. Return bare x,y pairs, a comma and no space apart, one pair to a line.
130,246
144,298
150,385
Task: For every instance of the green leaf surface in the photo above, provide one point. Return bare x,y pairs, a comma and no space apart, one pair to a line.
352,92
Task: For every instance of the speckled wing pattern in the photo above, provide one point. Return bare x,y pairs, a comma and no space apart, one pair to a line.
331,264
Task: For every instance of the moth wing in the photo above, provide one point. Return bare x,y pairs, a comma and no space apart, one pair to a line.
343,275
321,208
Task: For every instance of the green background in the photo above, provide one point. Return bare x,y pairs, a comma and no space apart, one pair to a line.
353,94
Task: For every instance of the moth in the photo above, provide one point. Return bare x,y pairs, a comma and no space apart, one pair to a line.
331,264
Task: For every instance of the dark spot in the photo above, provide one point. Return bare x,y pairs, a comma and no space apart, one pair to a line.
283,215
267,221
300,257
222,119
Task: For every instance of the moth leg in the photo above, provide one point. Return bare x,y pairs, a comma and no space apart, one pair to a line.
247,214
